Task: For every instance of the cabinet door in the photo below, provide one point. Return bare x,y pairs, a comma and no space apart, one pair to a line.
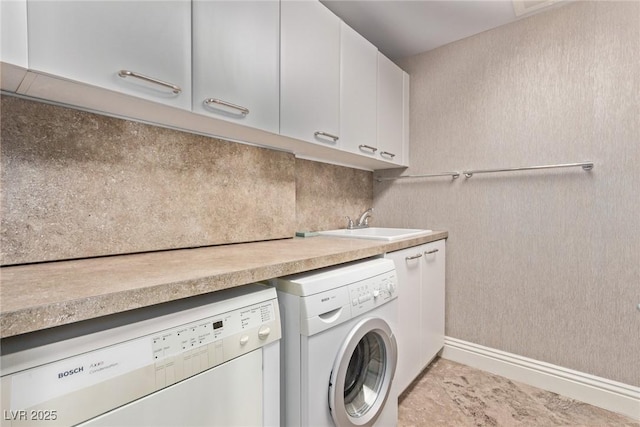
408,332
390,110
236,61
13,32
432,300
310,72
142,48
13,43
405,120
358,88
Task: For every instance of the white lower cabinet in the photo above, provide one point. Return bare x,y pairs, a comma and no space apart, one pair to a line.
421,291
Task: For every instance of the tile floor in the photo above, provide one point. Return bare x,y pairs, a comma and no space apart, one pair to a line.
451,394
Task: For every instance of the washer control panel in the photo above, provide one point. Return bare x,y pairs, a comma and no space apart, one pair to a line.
372,292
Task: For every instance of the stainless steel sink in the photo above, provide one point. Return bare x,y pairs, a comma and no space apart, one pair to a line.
376,233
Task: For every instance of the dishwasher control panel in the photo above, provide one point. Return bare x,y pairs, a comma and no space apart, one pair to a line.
190,336
192,348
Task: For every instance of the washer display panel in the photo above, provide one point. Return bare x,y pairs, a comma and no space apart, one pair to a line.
362,374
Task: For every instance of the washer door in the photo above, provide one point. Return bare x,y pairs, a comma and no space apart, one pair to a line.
362,374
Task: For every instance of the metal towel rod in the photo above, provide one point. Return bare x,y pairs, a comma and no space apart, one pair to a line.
454,175
587,166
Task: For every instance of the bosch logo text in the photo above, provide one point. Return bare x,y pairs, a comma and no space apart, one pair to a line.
70,372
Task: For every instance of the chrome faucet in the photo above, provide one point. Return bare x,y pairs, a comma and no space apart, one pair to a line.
363,221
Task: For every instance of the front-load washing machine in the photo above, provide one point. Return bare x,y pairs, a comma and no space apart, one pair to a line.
339,351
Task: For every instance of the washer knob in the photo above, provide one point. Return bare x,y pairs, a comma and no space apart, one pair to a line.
244,340
264,332
376,294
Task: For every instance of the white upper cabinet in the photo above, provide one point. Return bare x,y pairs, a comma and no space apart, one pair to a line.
141,48
310,72
13,32
391,123
236,61
358,80
287,74
405,119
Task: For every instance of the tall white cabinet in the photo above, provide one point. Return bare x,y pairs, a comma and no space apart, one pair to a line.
236,61
421,304
141,48
310,72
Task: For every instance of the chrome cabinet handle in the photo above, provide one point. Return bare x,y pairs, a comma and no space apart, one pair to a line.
328,135
126,73
433,251
368,147
413,257
387,154
244,111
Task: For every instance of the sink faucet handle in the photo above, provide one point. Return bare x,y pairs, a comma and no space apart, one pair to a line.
349,223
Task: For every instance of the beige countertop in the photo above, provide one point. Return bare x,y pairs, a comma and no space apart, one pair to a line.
40,296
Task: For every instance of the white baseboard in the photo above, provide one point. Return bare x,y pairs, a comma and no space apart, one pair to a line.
611,395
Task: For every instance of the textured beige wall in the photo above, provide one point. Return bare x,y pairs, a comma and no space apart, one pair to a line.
541,264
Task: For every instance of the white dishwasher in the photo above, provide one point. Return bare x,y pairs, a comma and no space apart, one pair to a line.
211,360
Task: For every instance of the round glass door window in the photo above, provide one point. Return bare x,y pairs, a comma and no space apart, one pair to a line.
362,374
365,373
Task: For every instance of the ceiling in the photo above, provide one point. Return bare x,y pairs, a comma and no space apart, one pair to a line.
401,28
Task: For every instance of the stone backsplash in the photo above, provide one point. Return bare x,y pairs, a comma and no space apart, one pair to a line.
76,184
